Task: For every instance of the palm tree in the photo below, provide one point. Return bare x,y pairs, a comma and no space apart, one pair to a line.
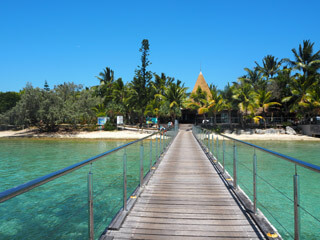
263,101
216,103
199,95
173,99
106,77
244,94
228,101
118,91
161,82
305,60
100,110
199,101
254,77
314,99
300,88
270,67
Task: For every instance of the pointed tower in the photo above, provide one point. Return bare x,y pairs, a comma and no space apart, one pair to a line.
203,85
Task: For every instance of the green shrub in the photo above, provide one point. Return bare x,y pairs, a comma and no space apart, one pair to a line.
285,124
109,126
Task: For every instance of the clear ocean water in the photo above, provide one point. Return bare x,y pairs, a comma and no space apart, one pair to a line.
58,209
275,183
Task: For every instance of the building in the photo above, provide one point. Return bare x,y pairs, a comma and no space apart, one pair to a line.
189,116
201,82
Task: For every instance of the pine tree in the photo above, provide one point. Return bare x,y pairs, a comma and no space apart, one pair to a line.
46,86
141,81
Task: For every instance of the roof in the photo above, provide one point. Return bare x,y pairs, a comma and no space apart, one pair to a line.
203,85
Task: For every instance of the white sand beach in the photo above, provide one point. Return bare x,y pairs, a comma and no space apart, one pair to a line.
123,134
130,135
272,137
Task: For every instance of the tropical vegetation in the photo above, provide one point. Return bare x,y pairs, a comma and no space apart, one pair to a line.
288,87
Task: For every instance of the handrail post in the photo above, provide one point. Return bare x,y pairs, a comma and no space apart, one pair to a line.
208,141
167,139
141,164
296,197
150,153
125,180
254,182
212,144
217,148
163,141
157,156
235,185
223,152
90,207
160,148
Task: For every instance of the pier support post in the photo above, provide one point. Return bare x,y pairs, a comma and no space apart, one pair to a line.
296,197
125,180
235,185
254,182
141,164
90,207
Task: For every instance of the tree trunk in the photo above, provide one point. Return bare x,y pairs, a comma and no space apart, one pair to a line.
215,119
265,120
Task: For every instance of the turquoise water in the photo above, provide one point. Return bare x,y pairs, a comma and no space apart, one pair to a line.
275,183
59,209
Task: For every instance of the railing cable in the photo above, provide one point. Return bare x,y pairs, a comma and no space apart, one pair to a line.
276,220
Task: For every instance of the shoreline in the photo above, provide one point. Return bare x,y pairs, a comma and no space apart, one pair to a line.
134,135
271,137
81,135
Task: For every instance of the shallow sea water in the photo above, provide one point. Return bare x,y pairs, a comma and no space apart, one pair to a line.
275,183
59,209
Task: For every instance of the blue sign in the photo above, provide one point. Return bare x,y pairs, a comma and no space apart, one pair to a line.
102,120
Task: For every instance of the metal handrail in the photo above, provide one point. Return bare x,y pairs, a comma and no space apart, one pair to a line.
296,189
301,163
25,187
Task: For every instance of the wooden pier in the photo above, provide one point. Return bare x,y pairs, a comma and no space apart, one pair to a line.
186,199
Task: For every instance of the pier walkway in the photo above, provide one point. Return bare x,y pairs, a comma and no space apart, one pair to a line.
186,199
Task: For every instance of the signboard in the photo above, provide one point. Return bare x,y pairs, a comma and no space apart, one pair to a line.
102,120
150,120
119,120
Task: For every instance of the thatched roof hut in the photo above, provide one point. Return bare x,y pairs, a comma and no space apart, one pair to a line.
203,85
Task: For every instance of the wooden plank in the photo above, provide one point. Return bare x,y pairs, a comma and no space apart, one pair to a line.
184,234
221,222
197,216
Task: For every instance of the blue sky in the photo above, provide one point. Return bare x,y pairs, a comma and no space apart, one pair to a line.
72,41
